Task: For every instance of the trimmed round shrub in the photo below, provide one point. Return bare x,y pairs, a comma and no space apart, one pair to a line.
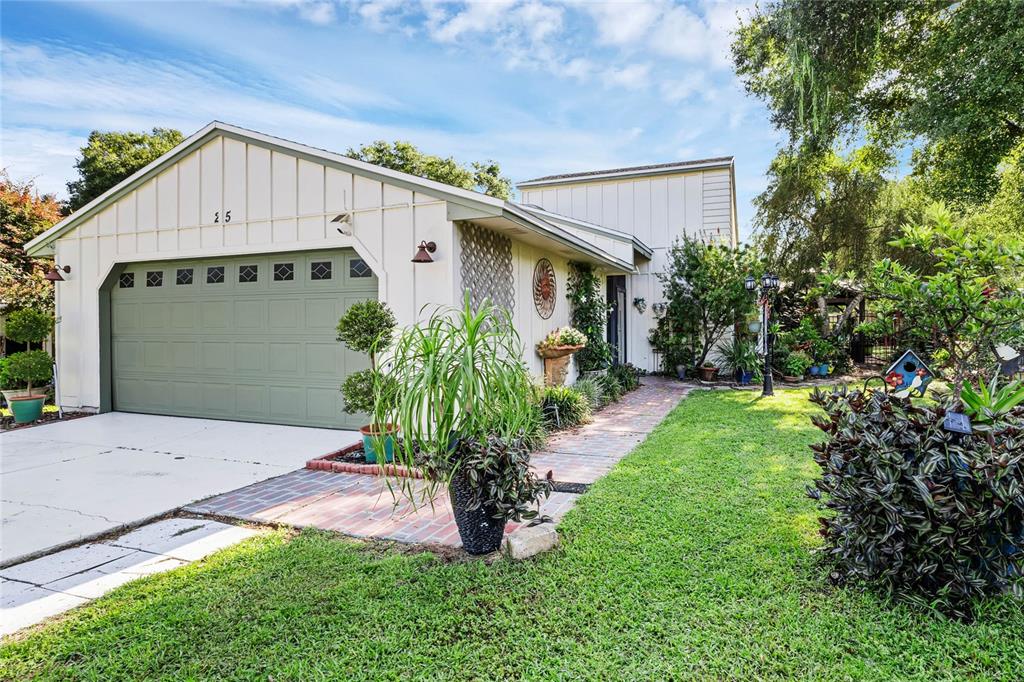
923,514
366,326
573,407
30,367
28,326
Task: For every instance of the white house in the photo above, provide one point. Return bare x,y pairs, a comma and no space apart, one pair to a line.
210,282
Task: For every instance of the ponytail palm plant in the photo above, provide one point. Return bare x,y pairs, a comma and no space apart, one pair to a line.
456,383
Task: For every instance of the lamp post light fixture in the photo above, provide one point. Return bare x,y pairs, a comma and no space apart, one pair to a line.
769,285
54,274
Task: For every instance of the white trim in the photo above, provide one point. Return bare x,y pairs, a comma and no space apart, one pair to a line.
639,172
594,228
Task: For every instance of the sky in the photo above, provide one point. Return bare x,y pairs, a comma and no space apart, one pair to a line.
540,86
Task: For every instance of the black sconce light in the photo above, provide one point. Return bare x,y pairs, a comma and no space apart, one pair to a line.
54,274
423,255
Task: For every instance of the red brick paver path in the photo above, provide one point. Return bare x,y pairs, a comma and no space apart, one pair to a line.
361,505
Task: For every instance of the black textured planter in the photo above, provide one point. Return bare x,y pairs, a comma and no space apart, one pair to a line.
479,531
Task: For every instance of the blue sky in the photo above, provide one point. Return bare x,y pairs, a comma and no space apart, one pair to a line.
540,86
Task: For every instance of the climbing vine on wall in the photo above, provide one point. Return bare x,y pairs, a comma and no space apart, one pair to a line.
588,313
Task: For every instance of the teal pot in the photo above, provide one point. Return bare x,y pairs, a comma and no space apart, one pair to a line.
823,369
27,409
375,435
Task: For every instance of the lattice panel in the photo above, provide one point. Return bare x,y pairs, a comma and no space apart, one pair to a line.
487,266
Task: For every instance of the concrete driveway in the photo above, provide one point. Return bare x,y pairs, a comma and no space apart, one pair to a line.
63,482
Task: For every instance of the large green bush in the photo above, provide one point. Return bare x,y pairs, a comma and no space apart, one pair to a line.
588,312
923,514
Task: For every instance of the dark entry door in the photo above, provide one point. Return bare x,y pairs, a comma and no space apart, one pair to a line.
617,318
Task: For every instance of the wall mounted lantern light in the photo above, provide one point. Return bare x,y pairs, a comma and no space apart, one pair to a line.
423,255
54,274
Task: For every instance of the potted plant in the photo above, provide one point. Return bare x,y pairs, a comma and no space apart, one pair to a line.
25,326
29,367
797,363
367,327
740,357
708,371
556,348
463,399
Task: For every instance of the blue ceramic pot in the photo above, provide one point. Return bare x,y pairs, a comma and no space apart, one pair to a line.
814,370
374,436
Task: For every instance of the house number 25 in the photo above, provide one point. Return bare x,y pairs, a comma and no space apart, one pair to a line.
227,216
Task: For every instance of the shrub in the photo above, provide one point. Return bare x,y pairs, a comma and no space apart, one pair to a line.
28,326
361,390
29,367
563,336
612,388
627,376
592,391
499,471
923,514
588,312
573,407
367,326
6,380
797,363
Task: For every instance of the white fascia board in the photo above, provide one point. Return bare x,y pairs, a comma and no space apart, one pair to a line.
639,173
483,202
537,224
595,228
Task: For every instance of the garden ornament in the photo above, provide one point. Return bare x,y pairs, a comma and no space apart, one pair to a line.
908,375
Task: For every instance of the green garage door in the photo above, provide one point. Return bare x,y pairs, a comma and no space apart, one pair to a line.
250,338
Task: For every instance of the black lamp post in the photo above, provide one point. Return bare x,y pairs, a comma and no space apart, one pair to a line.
769,285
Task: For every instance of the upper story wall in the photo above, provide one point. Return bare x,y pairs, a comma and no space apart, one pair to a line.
656,209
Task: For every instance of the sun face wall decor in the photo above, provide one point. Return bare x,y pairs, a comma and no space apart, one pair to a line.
544,288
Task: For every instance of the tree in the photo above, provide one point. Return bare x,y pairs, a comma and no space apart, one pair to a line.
483,177
108,158
939,75
821,208
704,291
971,299
23,216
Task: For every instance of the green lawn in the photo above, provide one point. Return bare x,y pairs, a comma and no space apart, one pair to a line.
691,559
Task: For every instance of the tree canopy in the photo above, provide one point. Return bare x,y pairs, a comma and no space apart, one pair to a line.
481,176
23,215
939,75
110,157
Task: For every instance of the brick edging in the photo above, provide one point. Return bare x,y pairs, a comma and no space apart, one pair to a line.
324,463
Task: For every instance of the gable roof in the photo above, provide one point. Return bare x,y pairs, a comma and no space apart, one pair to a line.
218,128
631,171
594,228
474,204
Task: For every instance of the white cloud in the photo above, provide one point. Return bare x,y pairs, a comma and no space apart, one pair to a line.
632,77
677,90
623,23
482,17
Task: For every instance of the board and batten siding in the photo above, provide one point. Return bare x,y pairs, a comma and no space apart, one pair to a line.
657,210
277,202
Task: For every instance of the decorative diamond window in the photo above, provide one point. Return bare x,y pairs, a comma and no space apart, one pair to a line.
126,280
284,272
184,276
357,267
247,273
215,274
155,278
320,270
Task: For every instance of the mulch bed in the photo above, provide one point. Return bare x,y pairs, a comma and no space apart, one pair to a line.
7,423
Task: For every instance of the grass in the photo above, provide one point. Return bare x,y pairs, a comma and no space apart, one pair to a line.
692,559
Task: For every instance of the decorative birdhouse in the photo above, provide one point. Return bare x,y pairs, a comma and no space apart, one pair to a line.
908,375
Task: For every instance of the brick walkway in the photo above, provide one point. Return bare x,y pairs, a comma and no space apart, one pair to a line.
362,506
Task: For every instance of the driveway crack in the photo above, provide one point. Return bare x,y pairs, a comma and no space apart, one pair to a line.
55,508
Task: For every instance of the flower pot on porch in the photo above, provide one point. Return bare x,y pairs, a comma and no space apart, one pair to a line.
556,363
27,409
375,435
479,531
708,373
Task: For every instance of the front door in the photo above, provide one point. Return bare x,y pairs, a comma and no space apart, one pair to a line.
617,318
